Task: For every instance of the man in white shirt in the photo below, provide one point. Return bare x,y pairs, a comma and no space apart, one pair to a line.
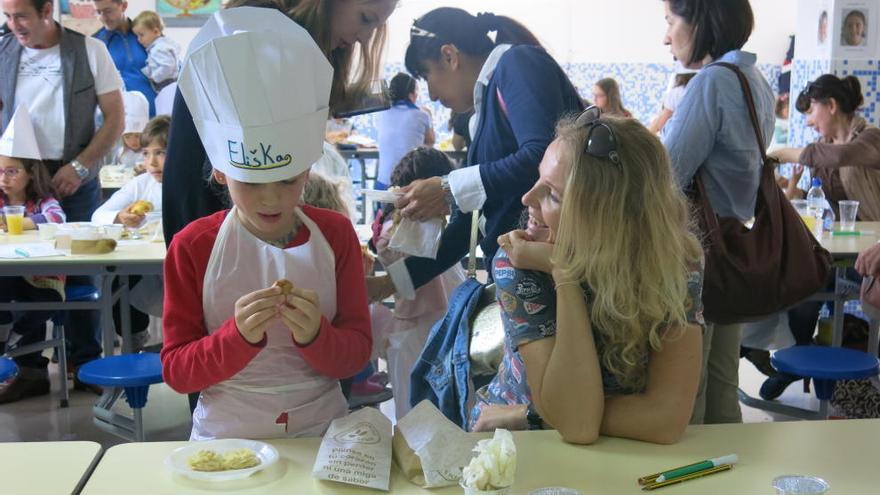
63,76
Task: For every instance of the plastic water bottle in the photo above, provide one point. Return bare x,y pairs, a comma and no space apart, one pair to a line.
816,205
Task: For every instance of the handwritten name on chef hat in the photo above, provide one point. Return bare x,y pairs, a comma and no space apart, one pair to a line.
258,88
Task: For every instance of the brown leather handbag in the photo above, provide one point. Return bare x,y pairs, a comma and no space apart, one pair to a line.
754,272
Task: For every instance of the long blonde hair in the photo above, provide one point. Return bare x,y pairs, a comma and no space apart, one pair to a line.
315,15
625,231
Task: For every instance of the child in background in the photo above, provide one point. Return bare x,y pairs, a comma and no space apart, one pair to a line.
367,387
24,181
402,341
137,114
163,55
126,206
265,304
673,97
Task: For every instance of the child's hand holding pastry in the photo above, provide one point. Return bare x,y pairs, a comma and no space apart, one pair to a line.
253,311
134,214
302,315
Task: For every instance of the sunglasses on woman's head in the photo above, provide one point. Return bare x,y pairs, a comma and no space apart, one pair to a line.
418,32
804,99
601,142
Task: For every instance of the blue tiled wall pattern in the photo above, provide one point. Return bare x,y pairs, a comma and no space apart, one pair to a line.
642,85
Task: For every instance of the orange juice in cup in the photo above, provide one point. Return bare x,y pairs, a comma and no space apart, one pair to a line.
14,216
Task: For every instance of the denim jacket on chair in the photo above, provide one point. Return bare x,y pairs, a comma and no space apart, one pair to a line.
442,372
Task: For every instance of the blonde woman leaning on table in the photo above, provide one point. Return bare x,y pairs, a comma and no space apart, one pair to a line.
600,294
847,154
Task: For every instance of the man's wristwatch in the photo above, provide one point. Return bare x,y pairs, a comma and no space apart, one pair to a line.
447,190
80,169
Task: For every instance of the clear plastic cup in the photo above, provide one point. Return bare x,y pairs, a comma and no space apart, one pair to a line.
468,490
47,231
848,212
14,216
114,231
555,490
796,484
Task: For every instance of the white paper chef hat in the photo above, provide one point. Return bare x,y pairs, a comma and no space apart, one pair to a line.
19,140
258,89
137,111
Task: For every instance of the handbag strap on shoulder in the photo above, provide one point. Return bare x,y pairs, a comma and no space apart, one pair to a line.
472,254
750,104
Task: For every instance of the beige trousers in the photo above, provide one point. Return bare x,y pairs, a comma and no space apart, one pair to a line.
717,398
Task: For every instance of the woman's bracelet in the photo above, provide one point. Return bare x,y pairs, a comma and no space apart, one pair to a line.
568,282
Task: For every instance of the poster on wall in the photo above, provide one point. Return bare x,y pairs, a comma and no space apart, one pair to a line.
176,12
815,29
856,29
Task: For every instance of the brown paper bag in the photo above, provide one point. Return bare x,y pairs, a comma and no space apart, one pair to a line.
406,459
100,246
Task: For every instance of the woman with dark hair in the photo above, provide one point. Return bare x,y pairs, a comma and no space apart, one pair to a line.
340,28
402,128
847,154
606,96
711,134
517,92
847,159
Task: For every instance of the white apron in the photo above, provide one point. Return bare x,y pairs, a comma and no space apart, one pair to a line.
278,394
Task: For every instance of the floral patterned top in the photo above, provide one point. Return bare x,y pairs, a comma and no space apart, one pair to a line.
528,312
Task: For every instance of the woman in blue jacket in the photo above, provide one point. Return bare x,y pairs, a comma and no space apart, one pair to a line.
517,92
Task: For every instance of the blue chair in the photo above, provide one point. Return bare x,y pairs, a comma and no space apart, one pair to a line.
132,372
8,369
825,365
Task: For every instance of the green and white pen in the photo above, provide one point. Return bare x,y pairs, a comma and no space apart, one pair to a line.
699,466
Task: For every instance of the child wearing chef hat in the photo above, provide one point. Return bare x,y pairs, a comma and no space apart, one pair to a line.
267,358
137,114
25,182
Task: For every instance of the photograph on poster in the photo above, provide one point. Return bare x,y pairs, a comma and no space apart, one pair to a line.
854,28
823,28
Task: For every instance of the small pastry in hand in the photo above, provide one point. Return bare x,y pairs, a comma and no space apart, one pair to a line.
285,285
140,207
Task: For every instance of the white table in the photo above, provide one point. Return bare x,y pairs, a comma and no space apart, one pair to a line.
841,452
46,467
141,257
844,249
130,258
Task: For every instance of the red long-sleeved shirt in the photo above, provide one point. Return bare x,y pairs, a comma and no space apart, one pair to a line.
193,360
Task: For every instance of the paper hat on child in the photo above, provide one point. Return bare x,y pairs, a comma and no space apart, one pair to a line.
137,111
19,139
258,89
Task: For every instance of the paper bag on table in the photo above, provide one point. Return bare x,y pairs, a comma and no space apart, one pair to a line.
99,246
430,450
418,238
357,450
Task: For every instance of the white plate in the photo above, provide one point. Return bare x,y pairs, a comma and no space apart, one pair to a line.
380,196
176,461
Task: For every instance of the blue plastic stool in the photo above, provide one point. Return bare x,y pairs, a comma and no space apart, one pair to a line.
8,369
825,365
133,372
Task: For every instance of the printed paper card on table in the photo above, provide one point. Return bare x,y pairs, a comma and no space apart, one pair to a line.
357,450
